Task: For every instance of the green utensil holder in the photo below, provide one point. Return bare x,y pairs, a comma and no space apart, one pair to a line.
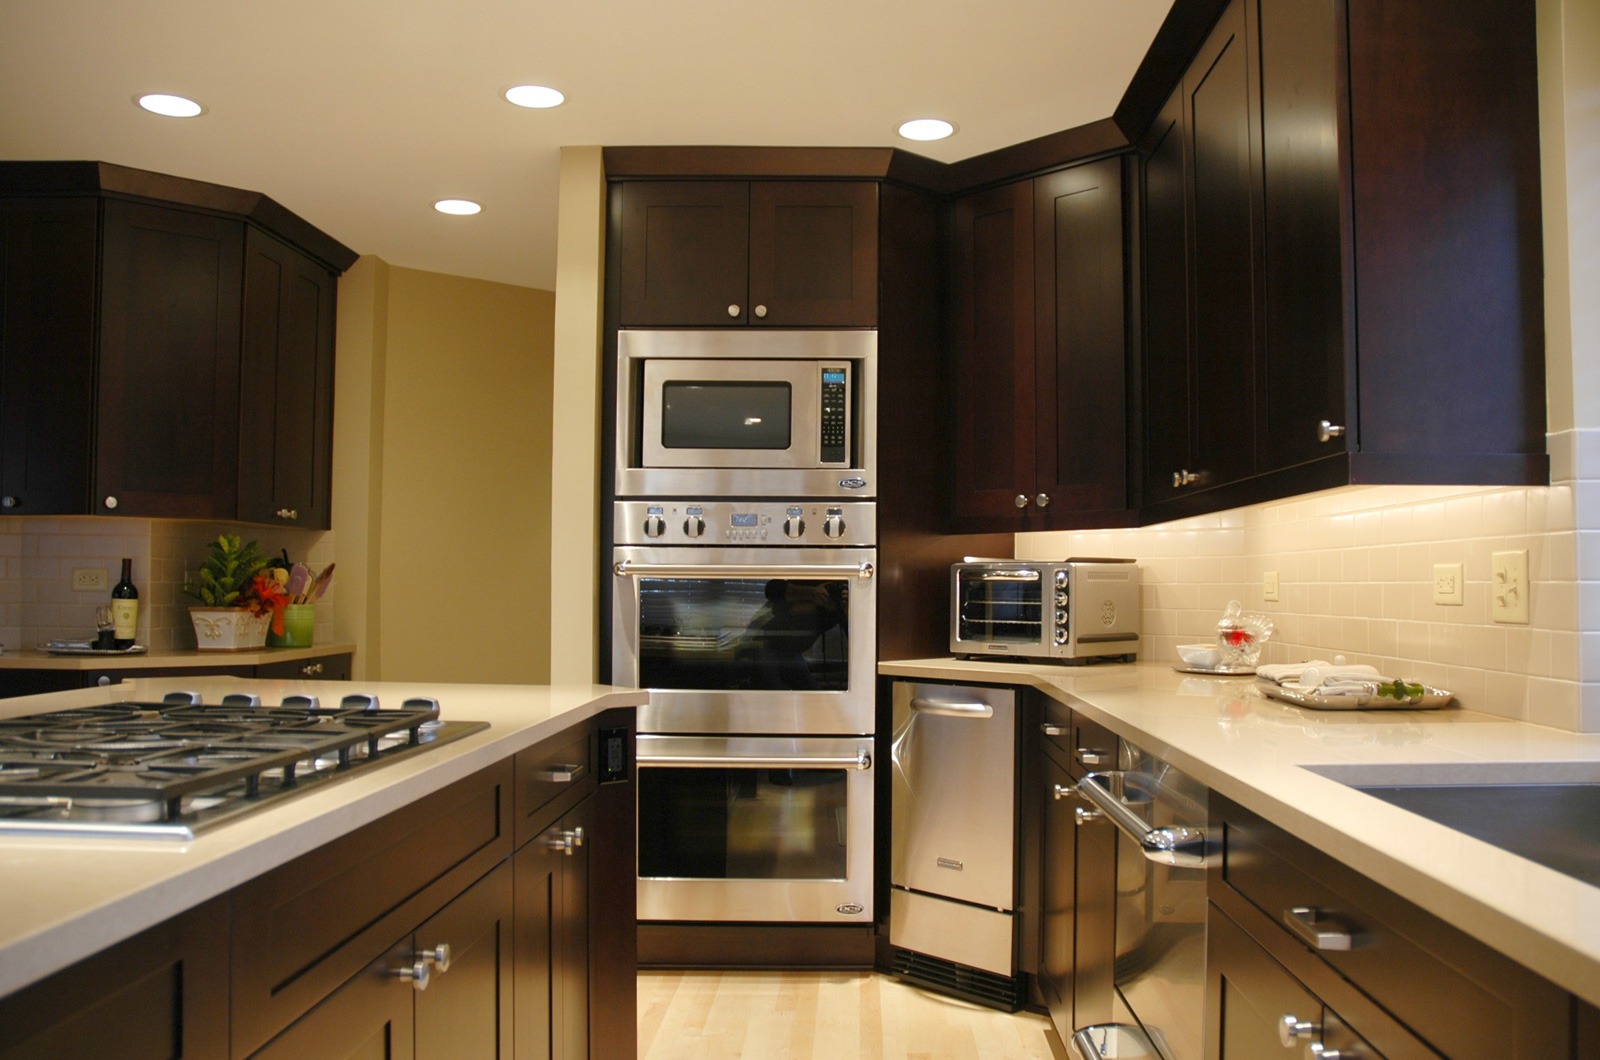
297,622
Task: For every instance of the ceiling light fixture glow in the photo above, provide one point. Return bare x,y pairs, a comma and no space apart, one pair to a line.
458,207
926,129
169,106
538,97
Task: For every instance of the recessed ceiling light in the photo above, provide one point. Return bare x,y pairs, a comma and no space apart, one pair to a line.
169,106
926,129
536,96
459,207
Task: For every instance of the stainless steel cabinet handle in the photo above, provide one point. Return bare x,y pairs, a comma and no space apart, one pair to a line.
861,761
1184,478
1292,1030
1062,791
1318,1051
1320,934
733,311
566,841
1020,500
311,669
417,974
1093,757
1178,845
287,513
952,708
761,311
629,569
438,957
1327,432
1052,730
565,773
1082,816
1042,500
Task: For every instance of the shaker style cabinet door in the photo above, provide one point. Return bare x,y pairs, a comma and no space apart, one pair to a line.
286,403
465,1012
814,254
551,879
169,363
685,253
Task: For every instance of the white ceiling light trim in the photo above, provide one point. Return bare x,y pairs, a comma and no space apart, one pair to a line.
536,97
926,129
169,106
457,207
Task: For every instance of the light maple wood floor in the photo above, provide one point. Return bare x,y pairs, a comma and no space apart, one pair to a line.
708,1015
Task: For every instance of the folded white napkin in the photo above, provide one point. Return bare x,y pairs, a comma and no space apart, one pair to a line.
1284,672
1323,678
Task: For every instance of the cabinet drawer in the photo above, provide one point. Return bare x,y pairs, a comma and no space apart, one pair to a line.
320,668
1450,989
562,766
303,929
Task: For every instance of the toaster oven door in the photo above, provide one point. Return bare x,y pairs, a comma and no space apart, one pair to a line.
1001,610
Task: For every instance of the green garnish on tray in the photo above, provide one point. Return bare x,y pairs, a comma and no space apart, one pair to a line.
1398,689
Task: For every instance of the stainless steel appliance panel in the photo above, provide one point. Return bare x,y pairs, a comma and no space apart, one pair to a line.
954,793
979,938
755,829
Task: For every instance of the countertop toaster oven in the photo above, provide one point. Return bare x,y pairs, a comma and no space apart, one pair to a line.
1072,610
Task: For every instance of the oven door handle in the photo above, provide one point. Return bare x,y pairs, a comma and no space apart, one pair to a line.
630,569
1181,845
862,759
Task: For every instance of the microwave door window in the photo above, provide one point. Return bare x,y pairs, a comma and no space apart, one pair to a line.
730,634
733,416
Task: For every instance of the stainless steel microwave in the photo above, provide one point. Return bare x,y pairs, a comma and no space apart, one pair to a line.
757,412
1069,610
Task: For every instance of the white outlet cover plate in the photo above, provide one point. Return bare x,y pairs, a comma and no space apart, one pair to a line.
1447,583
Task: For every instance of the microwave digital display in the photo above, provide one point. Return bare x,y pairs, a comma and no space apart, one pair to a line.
731,415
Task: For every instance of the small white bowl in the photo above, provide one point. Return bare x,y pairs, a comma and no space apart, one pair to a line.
1200,656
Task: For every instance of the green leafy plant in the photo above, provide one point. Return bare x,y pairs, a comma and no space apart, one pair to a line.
227,577
1399,689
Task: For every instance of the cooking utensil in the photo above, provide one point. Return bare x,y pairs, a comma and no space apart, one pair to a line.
319,585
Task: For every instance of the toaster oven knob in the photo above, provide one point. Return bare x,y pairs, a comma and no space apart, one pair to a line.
794,526
694,526
1061,617
654,526
833,526
1061,579
1061,636
1061,598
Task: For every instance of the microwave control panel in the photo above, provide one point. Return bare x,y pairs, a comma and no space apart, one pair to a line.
746,523
835,414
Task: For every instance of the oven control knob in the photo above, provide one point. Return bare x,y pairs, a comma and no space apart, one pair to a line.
794,526
694,526
833,525
654,526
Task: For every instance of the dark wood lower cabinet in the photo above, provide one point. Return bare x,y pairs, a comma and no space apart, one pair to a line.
465,1011
369,1018
552,944
336,667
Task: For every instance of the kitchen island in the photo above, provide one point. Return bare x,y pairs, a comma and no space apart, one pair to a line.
1260,754
66,898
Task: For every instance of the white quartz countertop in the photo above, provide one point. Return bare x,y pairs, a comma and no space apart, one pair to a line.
1255,751
64,898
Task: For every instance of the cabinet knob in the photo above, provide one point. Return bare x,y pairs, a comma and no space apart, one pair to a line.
103,680
1327,432
287,513
438,957
733,311
311,669
1042,500
9,502
1318,1051
417,973
111,502
1062,791
761,310
1292,1029
566,841
1020,500
1082,815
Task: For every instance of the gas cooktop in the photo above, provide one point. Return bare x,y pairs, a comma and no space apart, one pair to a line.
169,769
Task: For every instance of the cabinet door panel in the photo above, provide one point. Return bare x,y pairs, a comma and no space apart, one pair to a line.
47,282
1250,995
369,1018
1223,301
1058,897
286,409
1081,369
466,1010
814,254
552,941
1166,382
685,253
169,362
994,350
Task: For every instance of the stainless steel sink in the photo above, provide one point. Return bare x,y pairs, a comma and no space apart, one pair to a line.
1548,813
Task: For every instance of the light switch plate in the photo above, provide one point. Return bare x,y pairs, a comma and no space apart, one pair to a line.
1447,584
1508,586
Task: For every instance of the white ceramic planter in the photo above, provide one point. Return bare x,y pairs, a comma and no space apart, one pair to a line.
228,628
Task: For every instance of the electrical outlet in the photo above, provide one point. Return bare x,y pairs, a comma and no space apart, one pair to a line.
1447,583
89,579
1508,586
1269,585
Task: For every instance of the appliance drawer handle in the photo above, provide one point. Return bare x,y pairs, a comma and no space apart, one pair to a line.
861,760
952,708
1021,574
631,569
1174,845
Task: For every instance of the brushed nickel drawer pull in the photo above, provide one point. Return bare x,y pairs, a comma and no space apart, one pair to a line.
1315,932
563,773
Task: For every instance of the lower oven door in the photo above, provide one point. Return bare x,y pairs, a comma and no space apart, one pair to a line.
755,829
747,640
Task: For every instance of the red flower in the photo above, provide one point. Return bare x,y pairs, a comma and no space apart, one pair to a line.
266,595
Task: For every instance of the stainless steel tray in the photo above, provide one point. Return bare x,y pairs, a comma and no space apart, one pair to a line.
1215,671
1431,699
83,647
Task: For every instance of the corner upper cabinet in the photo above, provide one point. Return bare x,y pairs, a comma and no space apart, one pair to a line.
1299,173
1039,352
715,253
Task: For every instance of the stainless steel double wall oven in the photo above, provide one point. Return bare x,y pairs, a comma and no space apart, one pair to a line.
744,598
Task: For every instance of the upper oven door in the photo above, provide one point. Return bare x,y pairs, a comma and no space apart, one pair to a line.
746,412
747,640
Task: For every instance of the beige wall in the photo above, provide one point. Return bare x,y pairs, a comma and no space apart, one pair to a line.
442,475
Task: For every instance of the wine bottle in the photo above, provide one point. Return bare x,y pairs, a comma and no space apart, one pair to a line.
124,609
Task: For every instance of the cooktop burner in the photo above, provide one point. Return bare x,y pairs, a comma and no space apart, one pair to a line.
168,769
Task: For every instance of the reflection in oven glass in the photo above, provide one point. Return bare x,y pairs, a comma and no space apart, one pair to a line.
742,824
762,634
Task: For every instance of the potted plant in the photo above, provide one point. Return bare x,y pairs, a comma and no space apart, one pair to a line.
238,597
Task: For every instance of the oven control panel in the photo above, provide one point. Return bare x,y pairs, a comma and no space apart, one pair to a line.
745,523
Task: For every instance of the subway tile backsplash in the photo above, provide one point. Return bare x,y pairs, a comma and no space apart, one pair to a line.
1355,570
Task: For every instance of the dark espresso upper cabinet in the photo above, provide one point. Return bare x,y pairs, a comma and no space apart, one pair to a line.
709,253
1039,352
162,354
1356,294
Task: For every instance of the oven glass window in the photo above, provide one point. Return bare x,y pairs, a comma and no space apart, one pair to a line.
728,634
747,415
742,824
999,610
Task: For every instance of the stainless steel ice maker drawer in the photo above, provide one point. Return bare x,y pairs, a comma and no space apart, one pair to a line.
978,938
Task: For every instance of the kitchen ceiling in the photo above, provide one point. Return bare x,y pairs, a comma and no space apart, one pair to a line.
360,114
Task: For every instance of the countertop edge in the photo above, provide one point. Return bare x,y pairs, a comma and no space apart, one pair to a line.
34,659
